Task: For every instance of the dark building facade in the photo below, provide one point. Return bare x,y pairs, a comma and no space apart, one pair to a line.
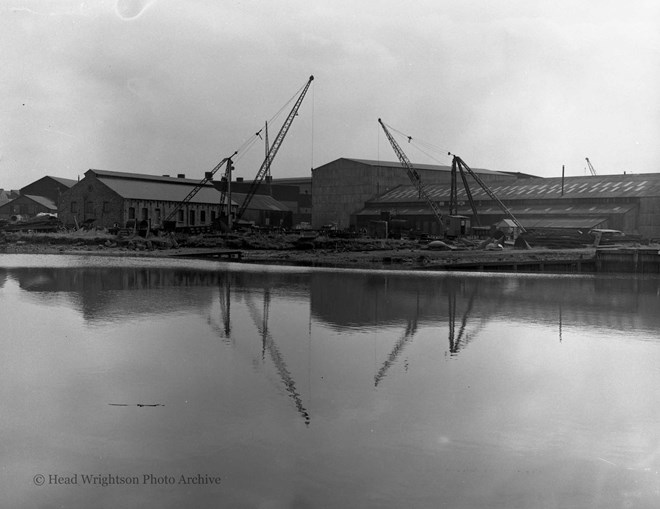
630,203
293,193
49,187
27,206
341,188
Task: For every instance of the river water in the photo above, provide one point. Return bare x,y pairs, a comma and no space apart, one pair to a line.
155,383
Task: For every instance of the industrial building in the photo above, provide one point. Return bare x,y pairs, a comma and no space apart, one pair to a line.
290,197
27,206
41,196
110,198
630,203
264,210
341,188
49,187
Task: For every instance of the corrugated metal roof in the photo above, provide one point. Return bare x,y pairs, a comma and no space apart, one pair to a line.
605,186
142,176
42,200
172,189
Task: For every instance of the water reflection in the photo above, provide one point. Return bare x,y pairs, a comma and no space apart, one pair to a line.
314,385
407,337
356,301
460,339
347,301
269,345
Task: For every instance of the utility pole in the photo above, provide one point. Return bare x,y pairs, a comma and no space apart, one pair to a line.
230,167
269,177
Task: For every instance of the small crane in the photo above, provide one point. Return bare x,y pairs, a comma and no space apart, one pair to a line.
207,177
591,168
460,164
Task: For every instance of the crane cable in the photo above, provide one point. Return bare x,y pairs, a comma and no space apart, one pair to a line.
249,142
418,144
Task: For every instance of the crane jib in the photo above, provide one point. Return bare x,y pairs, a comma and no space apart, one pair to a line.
414,176
272,152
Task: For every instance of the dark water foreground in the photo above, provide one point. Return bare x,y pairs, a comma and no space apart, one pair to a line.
157,383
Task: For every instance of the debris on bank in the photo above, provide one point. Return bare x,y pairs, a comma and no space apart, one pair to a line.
531,252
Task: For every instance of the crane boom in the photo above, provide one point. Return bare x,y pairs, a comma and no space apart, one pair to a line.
195,190
414,176
591,168
272,151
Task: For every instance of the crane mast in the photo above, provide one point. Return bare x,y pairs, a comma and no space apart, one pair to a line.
272,151
462,166
413,176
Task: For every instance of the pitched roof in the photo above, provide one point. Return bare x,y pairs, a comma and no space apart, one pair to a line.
417,166
42,200
152,187
141,176
260,202
605,186
60,180
64,181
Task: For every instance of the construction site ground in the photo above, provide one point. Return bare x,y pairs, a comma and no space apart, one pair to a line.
288,250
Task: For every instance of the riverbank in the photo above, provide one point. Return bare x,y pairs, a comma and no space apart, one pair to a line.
324,252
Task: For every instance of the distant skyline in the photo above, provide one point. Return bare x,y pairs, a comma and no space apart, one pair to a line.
166,87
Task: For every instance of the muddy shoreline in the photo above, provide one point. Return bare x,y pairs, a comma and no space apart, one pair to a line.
389,255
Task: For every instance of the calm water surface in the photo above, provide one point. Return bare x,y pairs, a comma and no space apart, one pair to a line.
304,388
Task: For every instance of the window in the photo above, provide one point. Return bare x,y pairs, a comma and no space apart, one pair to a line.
212,216
192,218
202,217
89,208
131,212
74,207
145,214
106,206
180,216
157,216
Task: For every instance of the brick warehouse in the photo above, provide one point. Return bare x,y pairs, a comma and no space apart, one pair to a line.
108,198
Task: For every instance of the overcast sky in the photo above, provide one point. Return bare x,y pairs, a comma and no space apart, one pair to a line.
167,86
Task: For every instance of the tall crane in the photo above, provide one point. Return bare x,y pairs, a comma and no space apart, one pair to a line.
414,176
591,168
272,151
